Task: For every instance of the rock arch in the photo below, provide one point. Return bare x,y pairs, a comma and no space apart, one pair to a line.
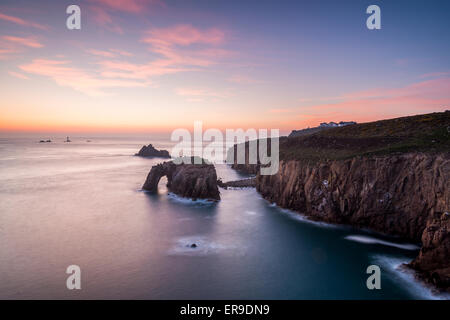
186,180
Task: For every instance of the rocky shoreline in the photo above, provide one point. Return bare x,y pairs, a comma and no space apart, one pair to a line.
404,195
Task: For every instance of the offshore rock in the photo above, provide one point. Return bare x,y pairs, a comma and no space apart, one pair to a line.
150,151
195,181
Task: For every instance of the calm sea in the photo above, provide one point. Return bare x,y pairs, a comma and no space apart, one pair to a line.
81,203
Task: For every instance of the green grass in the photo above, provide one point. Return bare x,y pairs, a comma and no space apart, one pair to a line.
421,133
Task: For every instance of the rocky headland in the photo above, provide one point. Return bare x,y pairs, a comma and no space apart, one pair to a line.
195,181
391,176
150,151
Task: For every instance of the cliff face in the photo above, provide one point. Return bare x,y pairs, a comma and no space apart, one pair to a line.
394,194
433,261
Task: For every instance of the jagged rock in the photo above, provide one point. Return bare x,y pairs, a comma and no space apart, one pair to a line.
433,261
244,183
150,151
395,194
196,181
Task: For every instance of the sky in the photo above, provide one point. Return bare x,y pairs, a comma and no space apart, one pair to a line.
159,65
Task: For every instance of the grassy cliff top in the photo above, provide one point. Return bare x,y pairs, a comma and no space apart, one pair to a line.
421,133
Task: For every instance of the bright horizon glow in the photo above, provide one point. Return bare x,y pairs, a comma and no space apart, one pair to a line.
155,66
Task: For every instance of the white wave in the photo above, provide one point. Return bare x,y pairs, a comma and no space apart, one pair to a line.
371,240
250,213
189,201
302,218
406,277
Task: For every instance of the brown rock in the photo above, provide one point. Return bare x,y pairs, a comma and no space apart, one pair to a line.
186,180
433,261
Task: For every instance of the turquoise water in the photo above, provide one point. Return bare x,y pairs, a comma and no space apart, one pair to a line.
80,203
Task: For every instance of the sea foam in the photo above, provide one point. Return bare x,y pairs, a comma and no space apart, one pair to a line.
371,240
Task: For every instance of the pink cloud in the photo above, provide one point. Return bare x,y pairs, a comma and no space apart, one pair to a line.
197,93
281,110
177,54
128,70
185,45
435,74
184,35
132,6
28,42
22,22
421,97
240,79
18,75
101,53
122,52
104,19
68,76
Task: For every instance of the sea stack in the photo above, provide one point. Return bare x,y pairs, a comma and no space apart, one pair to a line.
195,181
150,151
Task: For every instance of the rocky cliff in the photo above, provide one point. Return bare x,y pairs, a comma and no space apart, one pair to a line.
391,176
396,195
433,261
186,180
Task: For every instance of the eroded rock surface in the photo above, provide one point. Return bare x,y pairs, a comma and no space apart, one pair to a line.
433,261
405,195
196,181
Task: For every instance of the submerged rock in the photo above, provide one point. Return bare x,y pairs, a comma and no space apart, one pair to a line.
195,181
193,245
150,151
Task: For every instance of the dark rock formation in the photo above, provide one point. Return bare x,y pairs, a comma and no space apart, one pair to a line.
150,151
193,245
392,194
433,262
244,183
186,180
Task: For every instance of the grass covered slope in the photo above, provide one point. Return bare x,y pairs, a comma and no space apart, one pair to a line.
420,133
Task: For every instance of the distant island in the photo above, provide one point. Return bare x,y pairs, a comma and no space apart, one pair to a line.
150,151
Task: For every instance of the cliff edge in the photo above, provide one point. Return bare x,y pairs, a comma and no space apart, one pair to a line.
391,176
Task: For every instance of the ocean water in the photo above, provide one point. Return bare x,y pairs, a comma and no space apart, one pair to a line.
81,203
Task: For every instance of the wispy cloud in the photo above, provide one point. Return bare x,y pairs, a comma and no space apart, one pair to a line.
241,79
176,45
105,20
435,74
22,22
28,42
103,12
281,110
132,6
194,94
421,97
64,74
111,53
18,75
101,53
